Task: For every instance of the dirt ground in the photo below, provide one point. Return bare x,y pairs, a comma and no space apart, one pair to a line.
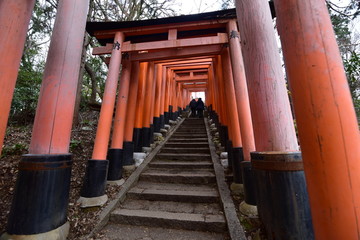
16,144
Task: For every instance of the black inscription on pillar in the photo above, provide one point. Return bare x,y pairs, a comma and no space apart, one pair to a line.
117,45
234,34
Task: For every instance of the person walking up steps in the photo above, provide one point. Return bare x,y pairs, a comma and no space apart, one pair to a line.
193,105
200,106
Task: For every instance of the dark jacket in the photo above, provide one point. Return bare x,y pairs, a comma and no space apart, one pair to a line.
193,104
200,105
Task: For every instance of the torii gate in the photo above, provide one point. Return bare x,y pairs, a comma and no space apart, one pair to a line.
248,96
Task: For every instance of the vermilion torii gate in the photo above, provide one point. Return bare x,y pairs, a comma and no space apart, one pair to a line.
240,72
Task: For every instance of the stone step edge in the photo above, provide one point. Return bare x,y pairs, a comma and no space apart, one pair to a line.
188,221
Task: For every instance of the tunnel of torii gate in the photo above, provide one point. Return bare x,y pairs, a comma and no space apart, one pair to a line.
232,56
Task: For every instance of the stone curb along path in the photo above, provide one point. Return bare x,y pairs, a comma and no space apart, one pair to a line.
236,231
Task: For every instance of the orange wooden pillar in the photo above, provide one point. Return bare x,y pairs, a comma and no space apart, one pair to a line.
215,98
139,110
327,124
235,149
244,112
162,97
14,21
128,144
158,97
241,91
172,94
223,118
277,163
116,153
153,99
167,95
93,190
42,191
148,106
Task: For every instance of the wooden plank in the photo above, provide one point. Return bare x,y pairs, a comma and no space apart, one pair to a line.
221,38
154,29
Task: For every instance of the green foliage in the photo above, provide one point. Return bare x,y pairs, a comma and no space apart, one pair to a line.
25,95
74,144
16,149
352,68
341,18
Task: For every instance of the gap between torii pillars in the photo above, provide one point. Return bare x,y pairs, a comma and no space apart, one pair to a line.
93,189
274,132
42,190
116,152
14,20
327,124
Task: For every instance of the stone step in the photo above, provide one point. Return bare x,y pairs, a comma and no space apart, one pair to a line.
178,176
185,150
185,140
188,221
191,129
186,144
114,231
174,195
184,156
189,135
181,164
177,186
171,206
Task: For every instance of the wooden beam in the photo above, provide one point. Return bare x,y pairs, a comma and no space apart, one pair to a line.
171,54
192,81
221,38
194,71
211,24
172,35
190,67
192,86
180,79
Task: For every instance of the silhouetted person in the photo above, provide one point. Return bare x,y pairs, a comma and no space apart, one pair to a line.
193,105
200,106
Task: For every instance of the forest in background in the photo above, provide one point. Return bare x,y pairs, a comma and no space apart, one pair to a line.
93,70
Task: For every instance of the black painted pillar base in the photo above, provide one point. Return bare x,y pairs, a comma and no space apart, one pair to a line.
145,138
224,136
95,179
281,195
175,115
228,149
152,133
115,157
249,182
166,118
238,157
157,124
43,183
128,153
162,121
138,139
171,113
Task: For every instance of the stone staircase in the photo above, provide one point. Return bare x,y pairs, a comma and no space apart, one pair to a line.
176,197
